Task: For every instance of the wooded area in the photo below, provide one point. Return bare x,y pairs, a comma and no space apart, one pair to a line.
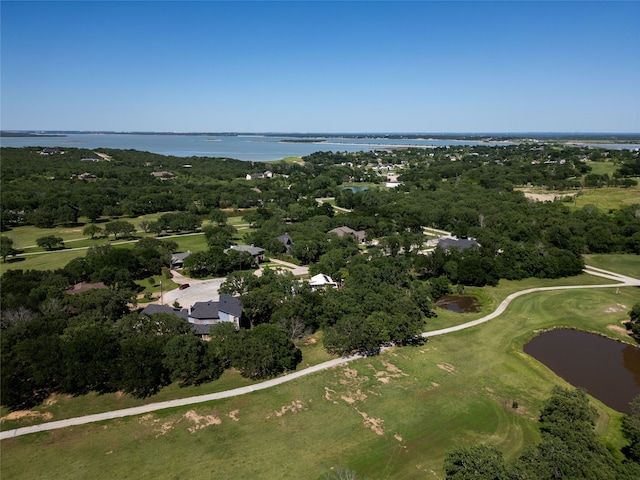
388,283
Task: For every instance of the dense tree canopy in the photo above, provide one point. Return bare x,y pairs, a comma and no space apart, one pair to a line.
387,283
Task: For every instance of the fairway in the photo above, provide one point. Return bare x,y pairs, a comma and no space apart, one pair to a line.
391,416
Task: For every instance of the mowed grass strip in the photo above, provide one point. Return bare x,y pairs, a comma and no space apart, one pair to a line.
76,244
390,416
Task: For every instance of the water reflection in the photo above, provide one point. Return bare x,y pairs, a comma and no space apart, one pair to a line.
458,303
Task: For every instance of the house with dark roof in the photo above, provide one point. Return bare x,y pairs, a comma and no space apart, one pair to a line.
256,252
205,314
177,259
154,308
287,241
448,243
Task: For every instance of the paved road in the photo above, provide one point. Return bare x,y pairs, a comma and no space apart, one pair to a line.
622,279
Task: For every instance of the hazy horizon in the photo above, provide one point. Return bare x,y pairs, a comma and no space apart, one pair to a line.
301,133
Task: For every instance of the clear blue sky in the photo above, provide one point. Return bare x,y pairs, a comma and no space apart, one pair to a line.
321,66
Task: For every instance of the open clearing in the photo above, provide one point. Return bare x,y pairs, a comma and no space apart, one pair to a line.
390,416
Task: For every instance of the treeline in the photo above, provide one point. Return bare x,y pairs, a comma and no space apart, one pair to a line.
569,447
61,187
377,305
92,343
53,341
117,268
58,188
387,285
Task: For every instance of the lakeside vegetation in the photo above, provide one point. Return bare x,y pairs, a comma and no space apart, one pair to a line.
407,406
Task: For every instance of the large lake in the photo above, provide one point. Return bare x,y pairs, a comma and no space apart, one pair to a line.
242,147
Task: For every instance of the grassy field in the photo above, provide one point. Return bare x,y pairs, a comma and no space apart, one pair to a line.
607,198
390,416
624,264
604,198
76,244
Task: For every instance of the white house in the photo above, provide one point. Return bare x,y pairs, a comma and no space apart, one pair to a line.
321,281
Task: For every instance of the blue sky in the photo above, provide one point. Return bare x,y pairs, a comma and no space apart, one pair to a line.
321,66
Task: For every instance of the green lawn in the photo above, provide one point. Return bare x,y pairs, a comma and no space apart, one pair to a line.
603,168
607,198
44,261
390,416
624,264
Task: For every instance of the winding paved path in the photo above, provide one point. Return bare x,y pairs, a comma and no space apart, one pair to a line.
624,281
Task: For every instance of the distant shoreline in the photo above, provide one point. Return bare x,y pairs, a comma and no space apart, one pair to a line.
30,135
621,138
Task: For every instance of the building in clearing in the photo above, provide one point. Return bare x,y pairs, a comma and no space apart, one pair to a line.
177,259
287,241
204,314
344,230
448,243
256,252
322,281
227,309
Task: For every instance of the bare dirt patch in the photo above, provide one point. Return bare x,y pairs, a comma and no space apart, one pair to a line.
24,414
293,407
621,330
398,437
234,415
350,372
160,429
447,367
374,424
392,368
104,156
52,400
201,421
545,197
351,378
391,371
328,394
617,308
167,427
353,397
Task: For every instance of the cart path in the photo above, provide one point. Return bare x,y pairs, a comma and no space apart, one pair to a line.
624,281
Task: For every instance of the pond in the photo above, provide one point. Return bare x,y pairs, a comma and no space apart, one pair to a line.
458,303
607,369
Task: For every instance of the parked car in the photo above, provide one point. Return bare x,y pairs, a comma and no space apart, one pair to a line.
183,286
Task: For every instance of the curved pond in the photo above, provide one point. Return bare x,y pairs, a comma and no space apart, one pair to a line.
607,369
458,303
